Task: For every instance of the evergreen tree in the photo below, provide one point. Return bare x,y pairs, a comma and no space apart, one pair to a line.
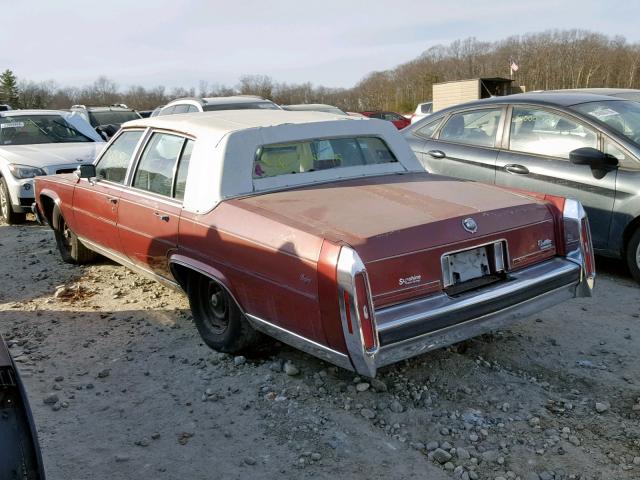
9,88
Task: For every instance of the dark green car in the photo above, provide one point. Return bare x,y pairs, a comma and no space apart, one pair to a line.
575,145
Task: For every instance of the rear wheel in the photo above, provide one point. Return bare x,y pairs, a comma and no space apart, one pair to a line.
633,255
7,214
71,248
218,318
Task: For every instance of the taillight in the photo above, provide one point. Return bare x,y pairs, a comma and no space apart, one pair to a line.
577,238
587,247
364,312
356,308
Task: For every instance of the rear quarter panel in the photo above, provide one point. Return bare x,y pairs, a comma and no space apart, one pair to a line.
270,268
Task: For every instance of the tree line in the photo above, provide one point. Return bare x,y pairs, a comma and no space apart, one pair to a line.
547,60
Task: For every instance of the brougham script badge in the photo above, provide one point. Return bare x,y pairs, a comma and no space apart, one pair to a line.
470,225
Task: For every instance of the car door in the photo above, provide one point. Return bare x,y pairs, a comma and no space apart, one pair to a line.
536,158
465,145
96,201
626,207
150,208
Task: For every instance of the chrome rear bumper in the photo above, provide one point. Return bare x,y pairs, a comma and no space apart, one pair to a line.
440,322
416,327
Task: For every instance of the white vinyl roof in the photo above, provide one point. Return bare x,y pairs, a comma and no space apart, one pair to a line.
219,123
221,164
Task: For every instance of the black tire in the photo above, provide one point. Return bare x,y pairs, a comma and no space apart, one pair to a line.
7,214
71,248
633,255
218,318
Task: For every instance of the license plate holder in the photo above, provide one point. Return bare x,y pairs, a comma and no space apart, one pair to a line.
471,265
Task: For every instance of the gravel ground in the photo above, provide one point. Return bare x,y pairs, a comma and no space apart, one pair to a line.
122,387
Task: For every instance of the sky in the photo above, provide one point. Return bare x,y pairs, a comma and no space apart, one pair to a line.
333,43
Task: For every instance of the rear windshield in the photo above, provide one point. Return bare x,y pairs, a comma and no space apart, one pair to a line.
32,129
109,117
240,106
320,154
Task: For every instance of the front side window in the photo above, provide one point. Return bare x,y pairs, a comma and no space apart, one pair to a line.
34,129
155,170
542,132
624,159
476,127
320,154
114,163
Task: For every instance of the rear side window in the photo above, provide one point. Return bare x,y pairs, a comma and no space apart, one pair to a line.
476,127
426,107
114,163
320,154
542,132
182,108
183,168
167,110
429,129
155,170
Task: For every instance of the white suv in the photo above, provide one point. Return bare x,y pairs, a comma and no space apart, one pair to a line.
239,102
39,142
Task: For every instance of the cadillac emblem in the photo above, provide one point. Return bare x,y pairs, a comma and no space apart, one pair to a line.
470,225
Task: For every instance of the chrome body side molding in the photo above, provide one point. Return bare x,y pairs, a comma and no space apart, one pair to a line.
118,258
299,342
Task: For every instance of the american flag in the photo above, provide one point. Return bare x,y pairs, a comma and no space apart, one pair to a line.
513,65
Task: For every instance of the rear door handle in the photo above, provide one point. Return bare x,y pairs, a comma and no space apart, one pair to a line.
164,218
517,169
113,200
436,153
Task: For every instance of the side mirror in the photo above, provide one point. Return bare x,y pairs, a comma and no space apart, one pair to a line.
86,171
107,131
592,157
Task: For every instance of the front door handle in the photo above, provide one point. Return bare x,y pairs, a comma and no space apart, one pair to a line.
436,153
164,218
113,200
517,169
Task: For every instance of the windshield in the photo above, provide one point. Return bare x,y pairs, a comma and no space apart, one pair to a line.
32,129
320,154
240,106
110,117
621,116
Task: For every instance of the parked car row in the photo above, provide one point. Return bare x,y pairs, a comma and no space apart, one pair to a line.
576,145
321,230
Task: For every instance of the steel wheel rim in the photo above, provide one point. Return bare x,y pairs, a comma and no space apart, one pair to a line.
66,236
217,308
4,207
